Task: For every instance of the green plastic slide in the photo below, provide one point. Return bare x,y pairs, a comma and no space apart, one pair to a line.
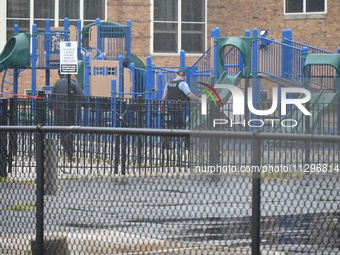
320,103
16,53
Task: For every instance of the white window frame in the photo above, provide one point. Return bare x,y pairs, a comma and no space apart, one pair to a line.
3,24
179,39
304,14
3,18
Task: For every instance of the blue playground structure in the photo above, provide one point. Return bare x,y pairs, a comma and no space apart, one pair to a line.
107,67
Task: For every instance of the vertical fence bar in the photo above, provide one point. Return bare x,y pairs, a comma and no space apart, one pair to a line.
256,197
34,59
123,143
40,108
40,192
3,138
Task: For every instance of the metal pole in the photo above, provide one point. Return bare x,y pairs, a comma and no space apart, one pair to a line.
3,138
256,198
40,192
68,114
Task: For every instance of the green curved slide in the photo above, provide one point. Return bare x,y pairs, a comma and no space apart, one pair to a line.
16,53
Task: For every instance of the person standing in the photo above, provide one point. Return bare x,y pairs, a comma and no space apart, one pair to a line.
64,109
178,94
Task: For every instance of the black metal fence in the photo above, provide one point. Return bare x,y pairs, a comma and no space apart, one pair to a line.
149,113
145,191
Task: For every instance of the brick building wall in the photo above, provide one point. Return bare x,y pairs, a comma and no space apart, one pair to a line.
233,17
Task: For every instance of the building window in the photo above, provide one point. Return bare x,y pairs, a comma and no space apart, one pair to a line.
178,25
305,6
26,12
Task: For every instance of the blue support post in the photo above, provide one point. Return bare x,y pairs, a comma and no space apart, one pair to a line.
98,34
47,42
193,79
34,60
121,72
303,62
284,62
149,80
159,96
87,75
47,51
87,70
247,85
182,59
152,87
148,76
241,62
16,29
215,35
66,30
255,78
128,39
79,38
247,33
16,71
133,75
289,54
188,76
160,86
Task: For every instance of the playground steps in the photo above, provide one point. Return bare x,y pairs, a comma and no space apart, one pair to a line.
287,82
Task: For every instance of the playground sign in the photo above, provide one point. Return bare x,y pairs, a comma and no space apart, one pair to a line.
68,57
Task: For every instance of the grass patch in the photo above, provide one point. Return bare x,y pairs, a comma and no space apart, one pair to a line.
19,206
6,180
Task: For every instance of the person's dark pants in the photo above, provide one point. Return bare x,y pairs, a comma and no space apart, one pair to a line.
177,112
67,143
66,139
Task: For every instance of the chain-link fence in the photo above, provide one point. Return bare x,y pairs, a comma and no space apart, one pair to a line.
139,191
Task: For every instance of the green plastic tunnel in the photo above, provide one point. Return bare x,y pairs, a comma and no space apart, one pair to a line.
16,53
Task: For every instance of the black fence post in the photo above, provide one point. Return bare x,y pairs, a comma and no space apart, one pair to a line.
40,192
215,143
123,143
3,138
308,131
117,141
256,197
13,114
139,125
41,108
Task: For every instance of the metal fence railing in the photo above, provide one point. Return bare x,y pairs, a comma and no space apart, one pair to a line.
141,112
142,191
